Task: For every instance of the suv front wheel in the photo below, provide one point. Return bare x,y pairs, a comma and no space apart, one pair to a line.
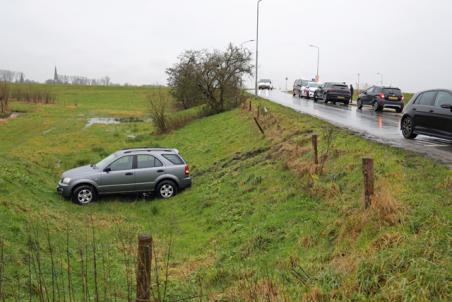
83,195
166,189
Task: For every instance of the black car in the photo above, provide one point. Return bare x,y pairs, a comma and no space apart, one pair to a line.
298,86
334,92
380,97
429,113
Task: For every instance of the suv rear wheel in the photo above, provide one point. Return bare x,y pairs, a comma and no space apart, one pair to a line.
166,189
83,195
408,128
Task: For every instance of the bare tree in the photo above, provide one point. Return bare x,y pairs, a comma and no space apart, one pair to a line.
216,76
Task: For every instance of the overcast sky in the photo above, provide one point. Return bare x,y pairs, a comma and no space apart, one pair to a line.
134,41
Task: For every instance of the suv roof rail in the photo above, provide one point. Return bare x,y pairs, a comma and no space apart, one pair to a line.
149,149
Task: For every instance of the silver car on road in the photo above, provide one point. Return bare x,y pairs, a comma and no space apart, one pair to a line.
128,171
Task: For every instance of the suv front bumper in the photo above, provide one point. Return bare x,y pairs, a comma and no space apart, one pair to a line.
64,190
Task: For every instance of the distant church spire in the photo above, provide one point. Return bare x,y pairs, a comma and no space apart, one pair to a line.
55,75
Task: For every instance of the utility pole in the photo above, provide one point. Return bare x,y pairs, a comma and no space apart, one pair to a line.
358,88
257,48
317,78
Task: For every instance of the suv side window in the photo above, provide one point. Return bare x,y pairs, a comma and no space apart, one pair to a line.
123,163
426,98
147,161
443,98
174,159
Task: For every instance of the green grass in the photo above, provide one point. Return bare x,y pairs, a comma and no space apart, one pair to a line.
256,216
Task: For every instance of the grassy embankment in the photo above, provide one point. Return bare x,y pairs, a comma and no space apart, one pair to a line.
259,223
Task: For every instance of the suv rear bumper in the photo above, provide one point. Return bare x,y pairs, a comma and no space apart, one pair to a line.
338,98
390,104
185,183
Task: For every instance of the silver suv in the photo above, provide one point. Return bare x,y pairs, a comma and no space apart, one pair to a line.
131,170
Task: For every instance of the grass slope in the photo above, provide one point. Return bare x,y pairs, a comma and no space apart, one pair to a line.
259,222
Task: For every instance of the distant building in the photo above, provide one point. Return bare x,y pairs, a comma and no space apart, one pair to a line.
55,76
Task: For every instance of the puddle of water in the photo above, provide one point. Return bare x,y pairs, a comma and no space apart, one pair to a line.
11,116
102,121
112,120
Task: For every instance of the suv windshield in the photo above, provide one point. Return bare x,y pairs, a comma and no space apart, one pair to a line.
105,161
313,85
265,81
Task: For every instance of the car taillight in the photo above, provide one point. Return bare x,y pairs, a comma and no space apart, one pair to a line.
187,170
381,95
403,97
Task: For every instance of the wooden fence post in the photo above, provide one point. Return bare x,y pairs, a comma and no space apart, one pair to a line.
249,108
144,268
315,149
368,172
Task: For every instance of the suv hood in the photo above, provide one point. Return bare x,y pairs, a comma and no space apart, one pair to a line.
80,171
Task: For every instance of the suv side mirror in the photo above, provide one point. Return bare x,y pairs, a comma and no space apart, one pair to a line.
364,92
107,170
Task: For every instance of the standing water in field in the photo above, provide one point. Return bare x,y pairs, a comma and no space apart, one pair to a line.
102,121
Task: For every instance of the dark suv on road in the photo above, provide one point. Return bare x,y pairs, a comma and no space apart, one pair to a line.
334,92
380,97
429,113
128,171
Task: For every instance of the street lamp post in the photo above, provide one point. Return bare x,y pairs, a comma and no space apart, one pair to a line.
358,88
245,42
257,47
318,60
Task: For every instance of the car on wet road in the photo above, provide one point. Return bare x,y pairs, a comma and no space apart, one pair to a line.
298,86
333,92
428,113
380,97
265,84
310,90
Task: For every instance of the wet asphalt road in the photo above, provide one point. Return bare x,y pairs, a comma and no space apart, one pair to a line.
382,127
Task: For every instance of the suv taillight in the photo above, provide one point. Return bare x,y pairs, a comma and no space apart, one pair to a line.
403,97
381,95
187,170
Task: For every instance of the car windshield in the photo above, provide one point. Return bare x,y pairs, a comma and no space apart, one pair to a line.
313,85
339,86
265,81
105,161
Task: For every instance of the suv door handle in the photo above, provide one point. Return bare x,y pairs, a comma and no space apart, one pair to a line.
431,111
129,174
160,171
414,109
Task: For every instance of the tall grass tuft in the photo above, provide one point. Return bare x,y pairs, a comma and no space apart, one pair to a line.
32,94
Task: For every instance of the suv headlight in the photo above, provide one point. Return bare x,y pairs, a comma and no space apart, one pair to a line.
66,180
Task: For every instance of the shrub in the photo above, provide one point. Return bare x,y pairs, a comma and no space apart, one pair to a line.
4,96
159,104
